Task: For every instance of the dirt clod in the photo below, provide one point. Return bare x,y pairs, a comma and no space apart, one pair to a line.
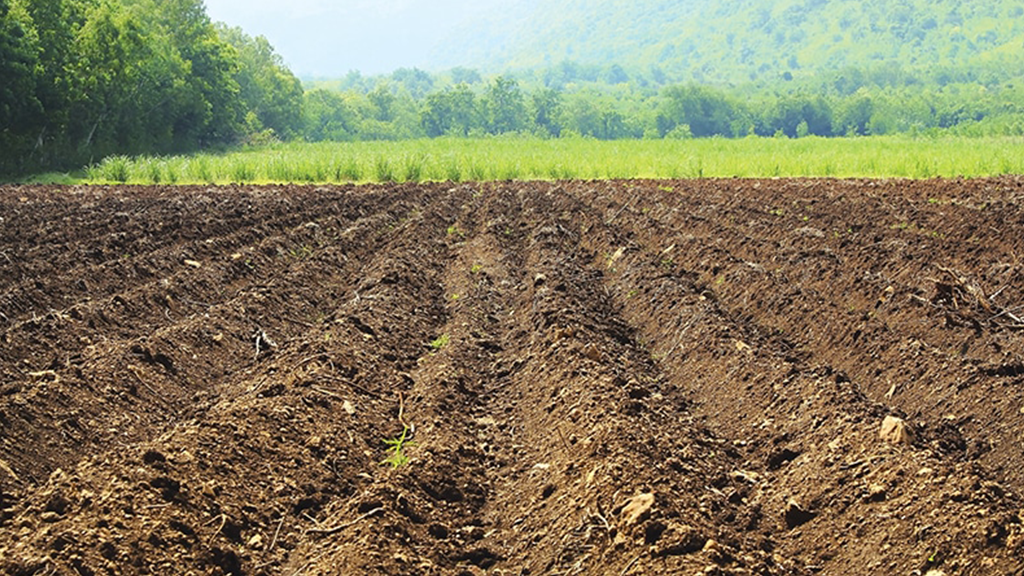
895,431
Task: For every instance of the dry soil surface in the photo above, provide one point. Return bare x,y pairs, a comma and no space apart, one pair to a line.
641,377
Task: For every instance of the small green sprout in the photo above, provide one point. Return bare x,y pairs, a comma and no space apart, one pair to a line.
396,446
441,342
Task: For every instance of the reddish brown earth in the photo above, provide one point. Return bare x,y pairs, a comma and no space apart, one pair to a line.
626,378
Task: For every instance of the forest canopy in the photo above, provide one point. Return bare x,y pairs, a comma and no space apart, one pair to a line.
84,79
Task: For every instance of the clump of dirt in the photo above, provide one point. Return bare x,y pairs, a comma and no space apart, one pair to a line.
712,376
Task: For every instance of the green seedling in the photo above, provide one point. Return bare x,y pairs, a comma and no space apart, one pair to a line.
396,446
476,268
453,230
441,342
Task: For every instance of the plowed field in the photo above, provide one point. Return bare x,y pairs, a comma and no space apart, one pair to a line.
635,377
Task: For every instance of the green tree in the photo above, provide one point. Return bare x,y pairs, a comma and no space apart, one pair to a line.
547,110
328,117
506,106
20,110
790,113
271,94
383,101
707,111
450,111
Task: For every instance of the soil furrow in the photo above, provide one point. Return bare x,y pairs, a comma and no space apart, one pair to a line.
513,378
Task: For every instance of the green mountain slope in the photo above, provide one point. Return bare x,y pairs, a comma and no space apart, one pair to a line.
742,40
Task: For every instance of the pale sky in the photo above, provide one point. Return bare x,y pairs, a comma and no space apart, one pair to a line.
330,38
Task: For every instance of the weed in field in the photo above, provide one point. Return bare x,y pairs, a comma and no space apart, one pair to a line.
351,171
202,170
477,172
440,342
452,171
242,172
115,169
396,449
454,230
153,171
412,170
383,170
303,252
476,268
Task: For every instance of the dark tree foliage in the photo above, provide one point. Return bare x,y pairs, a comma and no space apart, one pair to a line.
20,109
82,79
707,111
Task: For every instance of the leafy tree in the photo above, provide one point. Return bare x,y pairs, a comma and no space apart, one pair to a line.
506,106
547,110
707,111
19,107
271,94
416,81
450,111
384,102
327,116
789,114
462,75
210,110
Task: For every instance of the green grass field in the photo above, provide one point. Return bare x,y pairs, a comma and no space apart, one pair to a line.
536,159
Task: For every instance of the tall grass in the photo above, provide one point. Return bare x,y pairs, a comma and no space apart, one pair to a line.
536,159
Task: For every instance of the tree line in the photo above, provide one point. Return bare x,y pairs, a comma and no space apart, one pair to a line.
83,79
851,102
86,79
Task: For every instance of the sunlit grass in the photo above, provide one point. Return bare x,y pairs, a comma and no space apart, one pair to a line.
538,159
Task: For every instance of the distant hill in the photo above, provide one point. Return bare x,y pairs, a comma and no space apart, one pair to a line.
742,40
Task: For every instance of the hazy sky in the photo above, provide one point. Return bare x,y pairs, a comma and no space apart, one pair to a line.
330,38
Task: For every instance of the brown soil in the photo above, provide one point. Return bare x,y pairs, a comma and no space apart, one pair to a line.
595,377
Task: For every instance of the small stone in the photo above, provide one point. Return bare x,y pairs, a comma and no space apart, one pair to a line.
925,472
796,514
935,572
218,338
679,539
638,508
256,542
876,492
539,280
895,431
49,516
315,442
746,476
193,264
348,407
